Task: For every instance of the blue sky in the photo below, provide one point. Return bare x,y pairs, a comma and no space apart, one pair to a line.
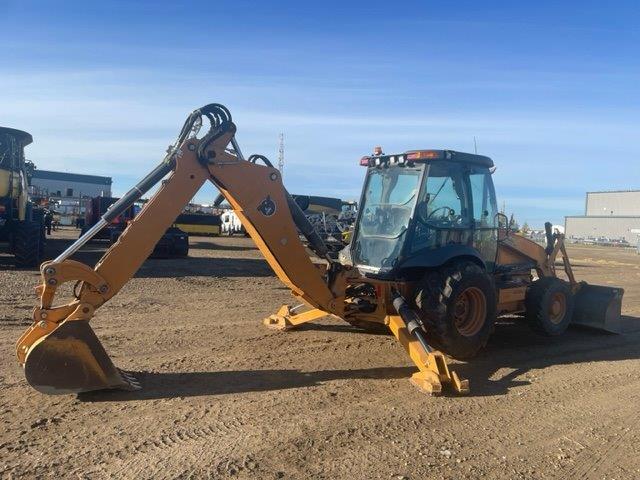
549,89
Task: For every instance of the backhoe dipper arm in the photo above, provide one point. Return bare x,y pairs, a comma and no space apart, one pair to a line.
61,353
269,215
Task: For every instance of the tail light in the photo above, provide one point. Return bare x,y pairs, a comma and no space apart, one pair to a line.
2,209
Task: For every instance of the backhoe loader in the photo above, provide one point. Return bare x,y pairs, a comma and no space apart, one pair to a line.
428,261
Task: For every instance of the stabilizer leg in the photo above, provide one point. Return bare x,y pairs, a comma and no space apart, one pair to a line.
286,318
433,369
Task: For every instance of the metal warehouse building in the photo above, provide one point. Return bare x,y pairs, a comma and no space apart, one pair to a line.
62,184
614,215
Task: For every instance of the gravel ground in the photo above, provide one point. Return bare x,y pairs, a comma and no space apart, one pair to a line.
225,397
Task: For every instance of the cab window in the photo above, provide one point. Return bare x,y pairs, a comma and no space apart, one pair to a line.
443,202
482,198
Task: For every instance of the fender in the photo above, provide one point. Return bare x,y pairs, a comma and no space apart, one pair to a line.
436,257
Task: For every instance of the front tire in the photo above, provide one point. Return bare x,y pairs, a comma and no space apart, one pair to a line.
549,305
458,306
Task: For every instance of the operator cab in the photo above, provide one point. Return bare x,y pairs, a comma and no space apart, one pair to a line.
12,143
423,207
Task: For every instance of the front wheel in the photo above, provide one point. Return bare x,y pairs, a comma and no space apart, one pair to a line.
549,306
458,306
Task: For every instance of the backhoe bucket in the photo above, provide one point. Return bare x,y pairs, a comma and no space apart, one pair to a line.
71,359
599,307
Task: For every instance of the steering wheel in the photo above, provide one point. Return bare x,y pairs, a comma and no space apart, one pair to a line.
451,212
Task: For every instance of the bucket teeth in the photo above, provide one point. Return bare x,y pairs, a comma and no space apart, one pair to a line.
128,377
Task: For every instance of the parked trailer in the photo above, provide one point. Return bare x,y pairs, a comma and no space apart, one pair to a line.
174,242
199,224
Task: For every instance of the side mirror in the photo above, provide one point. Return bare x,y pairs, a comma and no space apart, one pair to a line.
503,223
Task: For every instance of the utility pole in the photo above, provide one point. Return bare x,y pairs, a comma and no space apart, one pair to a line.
281,155
475,145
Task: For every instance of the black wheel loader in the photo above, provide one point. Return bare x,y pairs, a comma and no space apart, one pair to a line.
21,221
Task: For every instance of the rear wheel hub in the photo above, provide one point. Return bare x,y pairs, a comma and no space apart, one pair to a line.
470,311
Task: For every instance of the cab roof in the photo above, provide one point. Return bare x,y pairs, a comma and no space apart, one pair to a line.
423,156
23,137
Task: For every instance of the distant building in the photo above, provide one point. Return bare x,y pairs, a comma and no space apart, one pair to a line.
612,215
59,185
66,192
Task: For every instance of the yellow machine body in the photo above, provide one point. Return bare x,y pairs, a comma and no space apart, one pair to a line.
61,354
7,187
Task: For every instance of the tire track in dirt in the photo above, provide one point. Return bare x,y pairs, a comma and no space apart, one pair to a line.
593,466
168,453
544,431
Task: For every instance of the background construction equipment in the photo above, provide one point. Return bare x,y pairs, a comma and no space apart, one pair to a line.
21,221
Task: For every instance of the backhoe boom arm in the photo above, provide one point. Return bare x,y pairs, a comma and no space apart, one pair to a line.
60,352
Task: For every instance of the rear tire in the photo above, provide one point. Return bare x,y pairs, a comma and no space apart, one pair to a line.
28,245
549,306
458,306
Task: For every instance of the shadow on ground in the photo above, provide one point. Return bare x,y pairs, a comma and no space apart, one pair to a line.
512,347
517,349
205,267
213,245
192,384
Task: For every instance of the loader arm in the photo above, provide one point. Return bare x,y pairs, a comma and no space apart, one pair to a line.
61,354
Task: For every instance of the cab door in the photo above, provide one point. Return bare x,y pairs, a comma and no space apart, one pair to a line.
484,210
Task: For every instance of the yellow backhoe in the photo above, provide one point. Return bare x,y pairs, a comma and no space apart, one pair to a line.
428,260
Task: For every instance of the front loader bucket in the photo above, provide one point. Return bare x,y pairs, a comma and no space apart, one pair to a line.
599,307
71,359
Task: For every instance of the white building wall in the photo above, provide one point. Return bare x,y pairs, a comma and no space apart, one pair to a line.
610,227
613,203
79,188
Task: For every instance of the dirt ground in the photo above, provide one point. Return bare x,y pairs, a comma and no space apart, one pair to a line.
225,397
